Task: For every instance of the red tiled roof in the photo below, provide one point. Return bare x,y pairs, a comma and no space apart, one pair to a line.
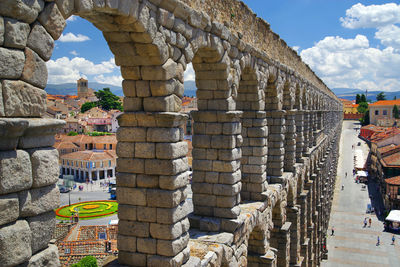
90,155
393,181
389,132
386,103
392,160
385,149
65,145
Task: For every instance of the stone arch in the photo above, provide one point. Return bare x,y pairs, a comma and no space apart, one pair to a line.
258,246
299,92
251,101
274,89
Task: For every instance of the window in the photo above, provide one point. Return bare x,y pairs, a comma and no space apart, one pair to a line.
68,162
63,162
94,164
384,112
86,146
102,164
109,163
376,112
110,146
105,146
81,164
87,165
398,190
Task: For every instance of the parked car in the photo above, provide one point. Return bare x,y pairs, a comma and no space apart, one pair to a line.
64,189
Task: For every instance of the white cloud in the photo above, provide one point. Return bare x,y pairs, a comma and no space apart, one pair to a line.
73,52
70,37
389,36
65,70
352,63
373,16
113,79
189,73
296,48
72,18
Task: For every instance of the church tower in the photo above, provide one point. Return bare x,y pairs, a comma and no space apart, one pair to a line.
82,85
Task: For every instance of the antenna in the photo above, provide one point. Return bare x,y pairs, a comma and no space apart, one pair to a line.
366,95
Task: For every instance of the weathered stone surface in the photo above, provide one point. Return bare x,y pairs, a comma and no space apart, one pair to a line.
39,200
9,208
41,42
26,10
47,257
16,33
1,31
15,243
42,228
11,63
44,166
35,70
22,99
52,19
15,171
40,132
66,7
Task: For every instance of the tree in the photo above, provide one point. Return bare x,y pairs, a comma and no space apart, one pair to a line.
87,106
365,120
88,261
107,100
357,98
396,114
362,99
72,133
362,107
395,97
380,96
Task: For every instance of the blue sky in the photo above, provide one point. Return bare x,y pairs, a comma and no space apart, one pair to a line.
349,44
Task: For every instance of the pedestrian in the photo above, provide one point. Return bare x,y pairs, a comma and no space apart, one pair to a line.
365,222
393,239
370,221
333,231
346,175
342,186
378,241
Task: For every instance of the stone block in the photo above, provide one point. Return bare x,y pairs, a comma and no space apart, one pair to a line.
66,7
126,243
9,208
147,181
15,243
223,141
172,215
227,190
166,167
15,33
42,228
41,42
125,149
130,72
201,141
15,171
22,99
127,212
225,166
126,258
232,128
11,63
45,169
162,135
210,224
229,154
231,213
211,178
35,70
167,231
26,11
131,196
145,150
174,182
52,20
147,214
126,179
130,165
172,247
171,103
48,257
230,178
146,245
163,88
164,72
131,134
38,200
171,150
164,198
133,228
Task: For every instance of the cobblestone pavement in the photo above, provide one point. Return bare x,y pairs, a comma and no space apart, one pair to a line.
352,244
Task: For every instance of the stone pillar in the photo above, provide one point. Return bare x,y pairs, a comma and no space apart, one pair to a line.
290,141
97,175
293,216
299,136
280,240
306,133
254,155
216,165
152,188
276,142
311,127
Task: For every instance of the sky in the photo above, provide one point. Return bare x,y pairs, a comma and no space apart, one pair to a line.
349,44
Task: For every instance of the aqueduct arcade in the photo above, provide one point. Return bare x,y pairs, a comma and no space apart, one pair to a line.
265,141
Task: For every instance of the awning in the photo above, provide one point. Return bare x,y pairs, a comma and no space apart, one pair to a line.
113,222
359,159
394,216
362,173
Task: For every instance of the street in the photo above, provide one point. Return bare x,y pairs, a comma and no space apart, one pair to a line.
353,244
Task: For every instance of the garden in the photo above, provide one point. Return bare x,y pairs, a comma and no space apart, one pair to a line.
88,210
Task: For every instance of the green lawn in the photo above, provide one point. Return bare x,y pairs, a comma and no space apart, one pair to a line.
88,210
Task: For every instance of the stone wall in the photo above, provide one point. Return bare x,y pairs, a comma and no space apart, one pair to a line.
265,137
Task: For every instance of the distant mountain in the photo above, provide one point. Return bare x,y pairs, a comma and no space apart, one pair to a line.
350,94
71,89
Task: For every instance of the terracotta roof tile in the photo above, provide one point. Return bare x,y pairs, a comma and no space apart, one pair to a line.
386,103
393,181
90,155
392,160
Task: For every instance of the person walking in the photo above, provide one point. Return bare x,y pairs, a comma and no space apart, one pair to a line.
393,239
346,174
370,221
378,241
365,222
333,231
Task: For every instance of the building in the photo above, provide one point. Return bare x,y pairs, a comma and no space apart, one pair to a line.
66,147
368,130
114,121
73,125
86,142
381,112
89,165
84,91
392,197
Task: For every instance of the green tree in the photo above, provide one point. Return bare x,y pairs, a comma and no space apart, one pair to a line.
87,106
365,120
107,100
395,97
396,114
380,96
72,133
362,107
88,261
358,98
362,99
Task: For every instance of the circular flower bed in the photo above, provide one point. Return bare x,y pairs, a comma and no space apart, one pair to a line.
88,209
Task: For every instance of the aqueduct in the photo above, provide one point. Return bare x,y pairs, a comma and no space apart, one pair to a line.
265,141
